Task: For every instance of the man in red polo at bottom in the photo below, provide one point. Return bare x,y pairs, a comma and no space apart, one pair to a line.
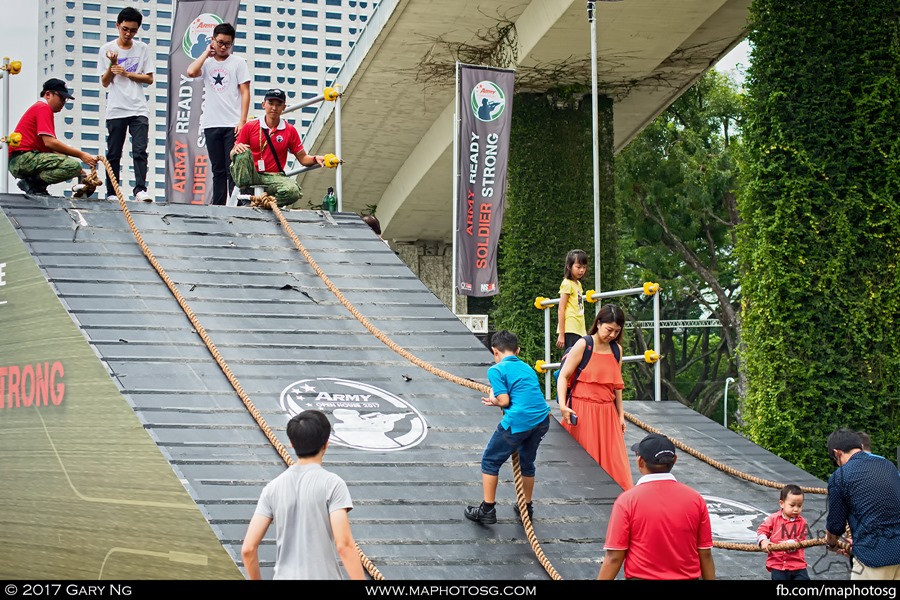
659,528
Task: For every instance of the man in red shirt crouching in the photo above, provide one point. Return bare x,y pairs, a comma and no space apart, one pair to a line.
260,153
41,159
659,528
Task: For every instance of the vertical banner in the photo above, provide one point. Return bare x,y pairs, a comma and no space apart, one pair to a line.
188,174
485,114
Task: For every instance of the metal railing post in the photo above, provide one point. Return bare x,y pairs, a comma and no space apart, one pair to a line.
657,373
4,129
547,375
338,185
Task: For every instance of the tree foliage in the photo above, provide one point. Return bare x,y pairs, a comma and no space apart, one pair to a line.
676,185
820,240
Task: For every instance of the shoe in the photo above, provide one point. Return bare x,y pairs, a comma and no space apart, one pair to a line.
143,196
479,515
529,507
33,186
112,198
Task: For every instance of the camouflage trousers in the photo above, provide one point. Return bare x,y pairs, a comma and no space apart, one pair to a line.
48,167
281,187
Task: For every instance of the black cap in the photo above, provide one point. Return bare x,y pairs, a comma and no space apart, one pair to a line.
58,86
655,449
276,94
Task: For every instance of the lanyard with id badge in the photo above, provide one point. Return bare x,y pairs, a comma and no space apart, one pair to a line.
261,163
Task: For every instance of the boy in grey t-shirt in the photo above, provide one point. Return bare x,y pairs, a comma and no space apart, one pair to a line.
309,506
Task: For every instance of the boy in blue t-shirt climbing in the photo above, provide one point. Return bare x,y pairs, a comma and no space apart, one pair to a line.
526,419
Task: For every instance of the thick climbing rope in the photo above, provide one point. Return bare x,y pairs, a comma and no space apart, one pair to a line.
719,465
268,202
201,331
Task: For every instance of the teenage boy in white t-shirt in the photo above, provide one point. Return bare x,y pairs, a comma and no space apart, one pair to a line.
226,101
125,67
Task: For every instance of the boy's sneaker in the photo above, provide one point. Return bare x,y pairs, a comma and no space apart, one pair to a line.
529,507
143,196
479,515
112,198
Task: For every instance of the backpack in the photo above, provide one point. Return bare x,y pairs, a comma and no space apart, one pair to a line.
585,358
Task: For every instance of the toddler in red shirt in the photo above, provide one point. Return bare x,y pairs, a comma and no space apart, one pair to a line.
786,525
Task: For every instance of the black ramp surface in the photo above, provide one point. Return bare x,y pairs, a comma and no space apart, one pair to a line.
407,441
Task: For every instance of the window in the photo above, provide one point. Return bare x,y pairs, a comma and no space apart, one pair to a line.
309,54
90,93
265,78
90,137
309,27
262,64
333,43
164,28
333,16
310,13
90,108
264,9
90,35
310,69
264,37
90,7
310,41
332,29
90,21
262,50
88,78
311,82
262,22
333,2
329,56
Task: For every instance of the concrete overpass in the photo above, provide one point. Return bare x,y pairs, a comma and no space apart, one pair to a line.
397,118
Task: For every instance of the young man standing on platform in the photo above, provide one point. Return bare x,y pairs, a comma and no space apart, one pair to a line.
226,102
125,66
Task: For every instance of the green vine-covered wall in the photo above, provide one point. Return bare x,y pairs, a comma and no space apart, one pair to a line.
820,239
550,210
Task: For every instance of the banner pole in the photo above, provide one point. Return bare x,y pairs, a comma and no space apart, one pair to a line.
455,225
595,146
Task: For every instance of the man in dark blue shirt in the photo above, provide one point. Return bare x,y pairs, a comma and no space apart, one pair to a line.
864,492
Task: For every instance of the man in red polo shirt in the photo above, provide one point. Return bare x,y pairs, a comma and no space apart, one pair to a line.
659,528
268,141
41,159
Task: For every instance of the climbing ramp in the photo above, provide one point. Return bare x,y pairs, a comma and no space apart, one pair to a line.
138,428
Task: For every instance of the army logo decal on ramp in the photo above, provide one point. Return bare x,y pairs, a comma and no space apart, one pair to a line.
362,416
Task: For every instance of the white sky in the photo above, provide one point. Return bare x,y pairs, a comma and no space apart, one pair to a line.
19,41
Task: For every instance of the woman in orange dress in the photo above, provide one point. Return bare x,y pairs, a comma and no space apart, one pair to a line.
597,399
